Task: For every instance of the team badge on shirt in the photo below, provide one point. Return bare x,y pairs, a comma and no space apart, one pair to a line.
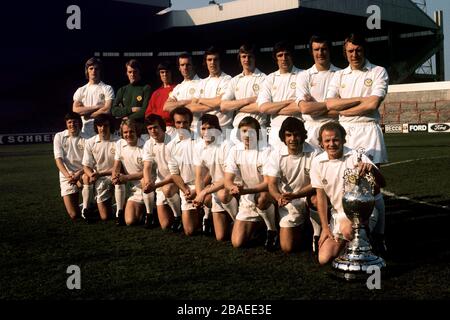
80,145
259,168
256,88
139,98
368,82
102,96
201,91
217,91
343,85
192,91
139,161
306,171
324,181
113,151
293,85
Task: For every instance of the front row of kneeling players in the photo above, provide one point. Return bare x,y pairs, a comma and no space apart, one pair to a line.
240,188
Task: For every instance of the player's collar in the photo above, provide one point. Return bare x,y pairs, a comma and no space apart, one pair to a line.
221,75
140,143
255,73
323,157
196,77
367,67
294,71
313,69
305,148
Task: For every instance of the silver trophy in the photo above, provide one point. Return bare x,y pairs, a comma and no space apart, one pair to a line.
358,202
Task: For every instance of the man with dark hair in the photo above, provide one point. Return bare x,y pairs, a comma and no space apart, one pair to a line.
132,99
356,93
327,172
277,95
159,97
94,98
209,160
244,177
68,149
183,94
156,160
98,161
312,86
211,89
243,89
182,169
287,173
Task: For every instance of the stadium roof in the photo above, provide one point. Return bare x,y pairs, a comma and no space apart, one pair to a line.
399,11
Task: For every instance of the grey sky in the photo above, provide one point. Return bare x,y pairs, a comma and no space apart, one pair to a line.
432,5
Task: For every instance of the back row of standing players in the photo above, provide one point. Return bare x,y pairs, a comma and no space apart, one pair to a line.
289,96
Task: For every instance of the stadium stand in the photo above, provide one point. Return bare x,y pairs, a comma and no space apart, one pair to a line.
417,103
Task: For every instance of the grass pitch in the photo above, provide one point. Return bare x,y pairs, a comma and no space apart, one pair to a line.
39,242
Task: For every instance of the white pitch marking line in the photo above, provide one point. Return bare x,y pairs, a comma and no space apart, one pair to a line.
393,195
411,160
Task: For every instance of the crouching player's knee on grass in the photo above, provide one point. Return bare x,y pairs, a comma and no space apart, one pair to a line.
168,206
331,244
225,215
134,212
191,221
244,231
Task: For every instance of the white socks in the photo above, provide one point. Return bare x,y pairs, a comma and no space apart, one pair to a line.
268,216
174,203
207,212
88,194
231,207
119,193
149,200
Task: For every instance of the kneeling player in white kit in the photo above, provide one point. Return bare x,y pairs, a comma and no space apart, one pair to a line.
157,175
127,171
327,172
181,167
287,173
98,161
68,148
209,159
245,162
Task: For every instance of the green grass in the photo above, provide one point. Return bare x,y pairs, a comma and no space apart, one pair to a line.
38,242
425,179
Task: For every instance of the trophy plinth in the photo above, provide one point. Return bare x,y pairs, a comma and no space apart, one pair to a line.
358,203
